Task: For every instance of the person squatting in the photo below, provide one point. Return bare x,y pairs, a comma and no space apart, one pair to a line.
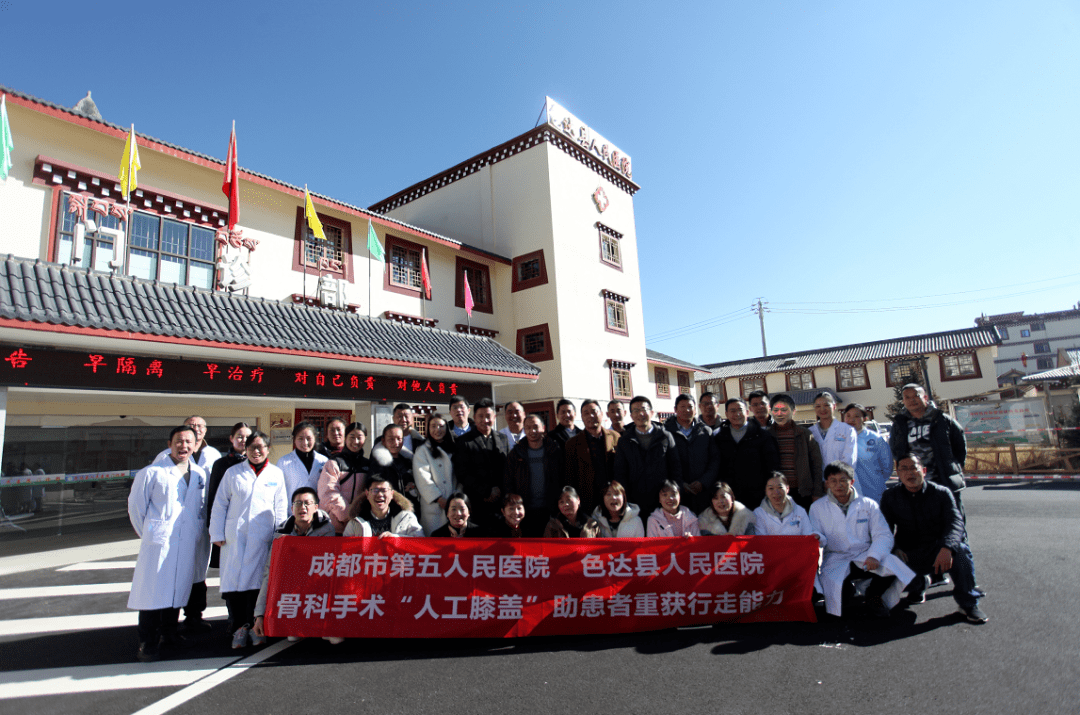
751,470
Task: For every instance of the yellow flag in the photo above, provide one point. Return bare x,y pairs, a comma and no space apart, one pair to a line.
129,166
313,221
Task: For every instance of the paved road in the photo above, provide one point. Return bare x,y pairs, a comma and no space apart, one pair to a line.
925,658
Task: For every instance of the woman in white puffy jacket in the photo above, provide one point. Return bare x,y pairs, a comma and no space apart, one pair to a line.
778,513
724,515
433,474
303,464
617,517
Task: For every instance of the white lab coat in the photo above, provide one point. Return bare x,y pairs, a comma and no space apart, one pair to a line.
434,478
794,521
840,443
207,457
296,475
166,512
247,510
862,534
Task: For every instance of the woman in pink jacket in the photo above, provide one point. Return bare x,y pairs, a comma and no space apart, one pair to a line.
343,476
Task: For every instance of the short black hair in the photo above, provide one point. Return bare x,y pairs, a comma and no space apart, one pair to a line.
757,393
459,495
513,402
855,406
182,428
301,426
706,394
562,402
458,398
733,400
402,406
839,467
306,490
785,398
683,398
484,403
375,477
641,398
256,434
590,401
389,427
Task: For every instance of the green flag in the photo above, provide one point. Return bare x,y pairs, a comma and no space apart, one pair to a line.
6,142
373,245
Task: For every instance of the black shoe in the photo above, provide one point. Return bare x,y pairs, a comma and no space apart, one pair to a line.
174,640
147,655
916,597
196,625
876,608
974,614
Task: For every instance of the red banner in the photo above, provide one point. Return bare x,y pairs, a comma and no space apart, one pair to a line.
502,588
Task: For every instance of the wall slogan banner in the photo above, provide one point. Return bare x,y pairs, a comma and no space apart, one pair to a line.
505,588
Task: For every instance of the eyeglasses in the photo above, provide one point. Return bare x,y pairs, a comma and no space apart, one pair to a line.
380,491
258,447
304,504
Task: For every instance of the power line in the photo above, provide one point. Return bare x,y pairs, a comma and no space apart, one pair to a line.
938,295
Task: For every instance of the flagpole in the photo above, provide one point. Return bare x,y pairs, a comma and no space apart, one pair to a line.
369,272
423,303
304,245
127,199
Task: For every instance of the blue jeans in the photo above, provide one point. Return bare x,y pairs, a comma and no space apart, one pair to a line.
962,573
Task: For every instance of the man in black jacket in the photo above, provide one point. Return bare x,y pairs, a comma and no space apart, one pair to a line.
534,471
930,536
747,453
697,453
480,462
645,456
938,440
566,414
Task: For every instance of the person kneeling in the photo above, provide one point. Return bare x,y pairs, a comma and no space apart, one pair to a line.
930,535
382,512
307,520
858,545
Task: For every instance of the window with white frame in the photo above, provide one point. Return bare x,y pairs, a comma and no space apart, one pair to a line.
957,366
852,377
801,381
752,384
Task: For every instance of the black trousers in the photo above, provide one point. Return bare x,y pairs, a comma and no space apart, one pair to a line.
153,624
241,605
877,588
196,601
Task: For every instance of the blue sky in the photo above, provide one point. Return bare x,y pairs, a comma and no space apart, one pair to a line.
871,170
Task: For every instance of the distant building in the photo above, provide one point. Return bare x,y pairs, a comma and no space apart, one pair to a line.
1030,343
669,377
959,364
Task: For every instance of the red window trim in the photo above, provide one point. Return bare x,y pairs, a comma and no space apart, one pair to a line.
866,374
346,246
389,241
974,358
613,365
518,284
460,264
684,386
666,382
544,409
549,349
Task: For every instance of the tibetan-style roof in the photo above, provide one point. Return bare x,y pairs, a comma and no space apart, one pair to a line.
949,341
33,291
661,358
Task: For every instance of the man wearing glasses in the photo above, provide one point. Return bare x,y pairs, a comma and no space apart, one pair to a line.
646,457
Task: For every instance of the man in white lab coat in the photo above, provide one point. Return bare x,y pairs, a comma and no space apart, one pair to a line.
838,440
858,545
166,507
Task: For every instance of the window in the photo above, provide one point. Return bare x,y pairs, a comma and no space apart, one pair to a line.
751,384
901,372
530,270
622,387
1045,363
534,343
610,248
334,255
546,410
1025,333
1042,347
615,312
959,367
852,377
663,387
403,267
684,382
800,381
1038,326
479,282
159,249
1003,332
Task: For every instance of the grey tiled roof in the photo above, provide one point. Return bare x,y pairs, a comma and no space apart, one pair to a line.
950,340
40,292
279,182
1058,373
661,357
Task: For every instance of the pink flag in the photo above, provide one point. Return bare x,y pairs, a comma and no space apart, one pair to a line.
469,303
425,277
231,186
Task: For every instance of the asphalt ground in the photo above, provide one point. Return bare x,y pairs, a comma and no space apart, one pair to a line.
923,658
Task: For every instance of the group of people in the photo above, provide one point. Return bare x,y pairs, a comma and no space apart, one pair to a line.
752,472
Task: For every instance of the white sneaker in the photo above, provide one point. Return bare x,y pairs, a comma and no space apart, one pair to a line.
241,637
293,639
334,639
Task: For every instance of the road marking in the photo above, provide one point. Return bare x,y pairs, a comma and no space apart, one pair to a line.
75,590
99,566
63,557
82,589
198,688
58,624
98,678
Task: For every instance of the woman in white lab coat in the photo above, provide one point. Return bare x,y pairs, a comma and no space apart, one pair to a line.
303,464
250,505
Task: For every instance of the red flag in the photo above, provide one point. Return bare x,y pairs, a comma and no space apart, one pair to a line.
425,277
231,185
469,303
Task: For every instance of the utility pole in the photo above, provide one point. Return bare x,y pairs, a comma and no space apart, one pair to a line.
759,308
